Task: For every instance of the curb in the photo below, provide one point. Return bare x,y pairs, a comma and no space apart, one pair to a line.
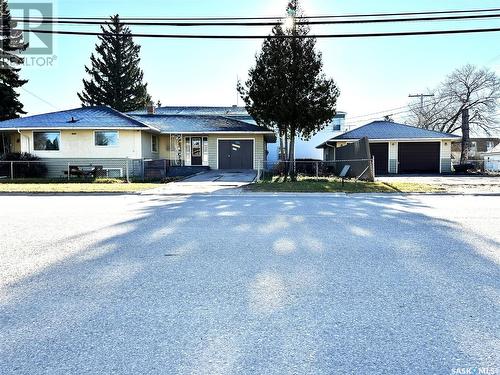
49,194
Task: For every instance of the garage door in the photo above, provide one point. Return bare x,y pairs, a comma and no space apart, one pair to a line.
419,157
236,154
380,151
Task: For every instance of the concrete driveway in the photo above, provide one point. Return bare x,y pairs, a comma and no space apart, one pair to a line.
209,284
213,181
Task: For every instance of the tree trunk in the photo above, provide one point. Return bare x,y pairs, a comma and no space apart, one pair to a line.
286,145
291,155
465,136
282,145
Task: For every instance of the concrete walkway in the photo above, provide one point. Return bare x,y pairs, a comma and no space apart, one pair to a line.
216,181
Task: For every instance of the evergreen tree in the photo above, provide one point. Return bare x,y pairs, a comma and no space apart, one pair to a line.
287,89
116,80
11,45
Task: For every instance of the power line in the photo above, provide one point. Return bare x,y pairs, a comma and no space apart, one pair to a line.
319,36
257,24
377,113
362,118
462,11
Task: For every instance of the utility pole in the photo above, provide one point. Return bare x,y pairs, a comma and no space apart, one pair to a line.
237,92
422,97
291,28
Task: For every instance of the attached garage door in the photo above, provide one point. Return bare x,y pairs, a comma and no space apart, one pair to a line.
380,151
236,154
419,157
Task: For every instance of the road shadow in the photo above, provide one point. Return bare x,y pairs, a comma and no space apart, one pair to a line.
219,285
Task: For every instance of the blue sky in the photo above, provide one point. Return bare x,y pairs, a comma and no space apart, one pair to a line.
373,74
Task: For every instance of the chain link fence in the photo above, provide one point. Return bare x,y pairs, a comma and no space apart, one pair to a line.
72,169
486,166
361,169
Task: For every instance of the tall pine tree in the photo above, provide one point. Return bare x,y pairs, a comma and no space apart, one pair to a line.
116,80
287,88
11,45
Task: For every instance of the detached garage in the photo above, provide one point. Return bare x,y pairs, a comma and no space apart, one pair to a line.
399,148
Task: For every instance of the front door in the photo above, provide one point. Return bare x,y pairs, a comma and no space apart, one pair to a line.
196,151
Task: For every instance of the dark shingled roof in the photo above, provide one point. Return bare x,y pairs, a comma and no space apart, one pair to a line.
214,111
85,117
391,130
105,117
197,124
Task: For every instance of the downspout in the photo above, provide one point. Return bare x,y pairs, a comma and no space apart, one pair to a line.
334,150
21,140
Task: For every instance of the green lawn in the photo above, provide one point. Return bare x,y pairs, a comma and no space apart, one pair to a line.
333,185
123,187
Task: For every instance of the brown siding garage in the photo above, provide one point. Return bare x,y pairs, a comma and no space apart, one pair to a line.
419,157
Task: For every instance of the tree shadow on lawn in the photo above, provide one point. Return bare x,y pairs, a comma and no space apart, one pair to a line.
360,284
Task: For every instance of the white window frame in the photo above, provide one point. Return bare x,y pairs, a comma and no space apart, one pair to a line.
187,151
205,147
45,131
157,144
107,131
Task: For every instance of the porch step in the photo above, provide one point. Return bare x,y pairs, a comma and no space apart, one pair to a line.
185,171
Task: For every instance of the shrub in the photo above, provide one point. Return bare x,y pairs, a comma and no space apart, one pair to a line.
105,180
23,169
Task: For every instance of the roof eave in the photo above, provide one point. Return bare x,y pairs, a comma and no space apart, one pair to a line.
396,139
76,128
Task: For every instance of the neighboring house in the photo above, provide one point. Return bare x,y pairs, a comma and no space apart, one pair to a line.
306,149
399,148
102,133
303,149
492,159
478,146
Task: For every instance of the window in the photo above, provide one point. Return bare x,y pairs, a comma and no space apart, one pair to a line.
154,143
46,141
196,147
489,146
187,150
205,151
106,138
336,124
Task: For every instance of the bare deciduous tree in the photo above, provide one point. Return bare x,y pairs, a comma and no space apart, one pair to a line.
468,88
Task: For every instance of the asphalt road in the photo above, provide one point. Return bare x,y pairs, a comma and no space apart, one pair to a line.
249,285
